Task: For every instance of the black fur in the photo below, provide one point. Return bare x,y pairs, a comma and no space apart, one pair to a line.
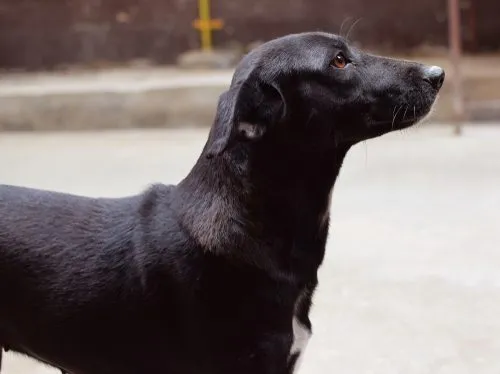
206,276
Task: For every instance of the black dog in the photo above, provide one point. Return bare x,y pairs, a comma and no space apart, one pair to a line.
214,275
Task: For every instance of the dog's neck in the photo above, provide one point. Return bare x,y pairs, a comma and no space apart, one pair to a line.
248,199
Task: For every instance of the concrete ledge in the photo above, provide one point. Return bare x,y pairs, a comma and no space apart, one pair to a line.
167,97
171,107
111,100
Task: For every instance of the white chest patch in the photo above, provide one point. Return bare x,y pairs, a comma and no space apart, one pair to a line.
301,336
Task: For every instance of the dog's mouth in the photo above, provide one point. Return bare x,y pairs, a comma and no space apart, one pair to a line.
386,120
404,115
397,123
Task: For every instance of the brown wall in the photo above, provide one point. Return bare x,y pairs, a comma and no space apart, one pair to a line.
36,34
44,33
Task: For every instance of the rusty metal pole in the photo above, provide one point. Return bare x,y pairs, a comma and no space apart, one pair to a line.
455,45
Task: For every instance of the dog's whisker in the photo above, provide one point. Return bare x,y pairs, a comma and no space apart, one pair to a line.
352,28
342,25
311,115
394,112
366,153
406,110
394,117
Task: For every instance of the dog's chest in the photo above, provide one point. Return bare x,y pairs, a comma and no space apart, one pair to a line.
301,335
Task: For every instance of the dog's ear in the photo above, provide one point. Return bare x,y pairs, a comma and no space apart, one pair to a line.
244,113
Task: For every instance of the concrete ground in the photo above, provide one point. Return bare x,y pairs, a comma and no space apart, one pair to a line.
411,281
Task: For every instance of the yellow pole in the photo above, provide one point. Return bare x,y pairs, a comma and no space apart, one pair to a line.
205,24
206,33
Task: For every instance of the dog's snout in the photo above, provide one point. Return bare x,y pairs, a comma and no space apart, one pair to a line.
435,76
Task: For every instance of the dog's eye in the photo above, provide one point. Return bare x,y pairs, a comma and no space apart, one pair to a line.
339,61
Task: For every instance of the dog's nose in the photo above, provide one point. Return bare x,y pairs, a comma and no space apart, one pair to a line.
435,76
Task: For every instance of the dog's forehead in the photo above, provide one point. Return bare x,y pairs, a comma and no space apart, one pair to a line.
312,40
291,53
306,49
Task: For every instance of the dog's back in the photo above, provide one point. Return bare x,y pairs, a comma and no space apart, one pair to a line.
78,266
46,233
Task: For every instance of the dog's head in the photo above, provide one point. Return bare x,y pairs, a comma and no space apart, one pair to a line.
317,89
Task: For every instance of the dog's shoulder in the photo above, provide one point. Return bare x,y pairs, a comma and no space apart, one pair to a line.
156,220
154,198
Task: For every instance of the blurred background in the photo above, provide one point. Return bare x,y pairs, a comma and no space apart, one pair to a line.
103,97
